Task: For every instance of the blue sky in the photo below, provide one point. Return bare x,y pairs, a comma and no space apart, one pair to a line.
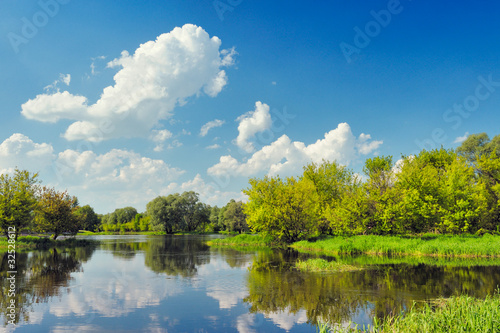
275,85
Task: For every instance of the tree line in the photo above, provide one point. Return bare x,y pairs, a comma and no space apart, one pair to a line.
440,191
26,206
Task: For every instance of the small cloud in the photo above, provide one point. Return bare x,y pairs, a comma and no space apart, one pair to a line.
214,146
461,139
174,144
63,78
160,135
273,83
92,65
211,124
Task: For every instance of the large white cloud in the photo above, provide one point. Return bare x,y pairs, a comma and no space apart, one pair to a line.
159,76
20,151
285,157
252,123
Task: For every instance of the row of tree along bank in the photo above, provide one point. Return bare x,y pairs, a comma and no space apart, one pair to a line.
440,191
177,213
26,206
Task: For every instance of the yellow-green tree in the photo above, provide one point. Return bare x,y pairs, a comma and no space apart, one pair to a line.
17,200
282,209
56,213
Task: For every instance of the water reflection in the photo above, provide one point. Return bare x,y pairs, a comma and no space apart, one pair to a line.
176,255
178,284
377,290
40,276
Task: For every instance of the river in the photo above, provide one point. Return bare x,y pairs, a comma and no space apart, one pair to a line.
178,284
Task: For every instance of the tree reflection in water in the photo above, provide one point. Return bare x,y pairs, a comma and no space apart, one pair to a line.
40,276
275,286
177,255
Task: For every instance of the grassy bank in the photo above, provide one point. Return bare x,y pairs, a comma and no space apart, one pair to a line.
321,265
456,314
427,245
241,240
35,242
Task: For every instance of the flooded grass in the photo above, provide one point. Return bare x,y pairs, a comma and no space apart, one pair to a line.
322,265
455,314
427,245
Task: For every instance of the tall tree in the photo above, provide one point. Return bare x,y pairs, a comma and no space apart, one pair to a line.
56,213
234,217
17,200
90,220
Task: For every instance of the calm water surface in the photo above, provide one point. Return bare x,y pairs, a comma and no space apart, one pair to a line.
178,284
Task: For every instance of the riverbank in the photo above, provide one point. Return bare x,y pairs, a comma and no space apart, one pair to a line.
38,242
426,245
465,246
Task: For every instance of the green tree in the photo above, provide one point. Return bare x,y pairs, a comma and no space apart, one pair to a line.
215,221
125,215
477,145
17,200
194,213
90,220
56,213
282,209
167,213
234,217
331,182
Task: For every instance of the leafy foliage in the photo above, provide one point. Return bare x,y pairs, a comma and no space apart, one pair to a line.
56,213
282,209
17,200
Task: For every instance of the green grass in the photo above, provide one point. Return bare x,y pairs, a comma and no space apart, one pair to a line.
456,314
427,245
241,240
321,265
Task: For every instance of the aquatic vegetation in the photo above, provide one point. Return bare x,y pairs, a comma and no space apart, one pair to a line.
322,265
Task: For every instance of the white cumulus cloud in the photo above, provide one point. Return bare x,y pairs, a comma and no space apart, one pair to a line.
150,83
287,157
20,151
252,123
